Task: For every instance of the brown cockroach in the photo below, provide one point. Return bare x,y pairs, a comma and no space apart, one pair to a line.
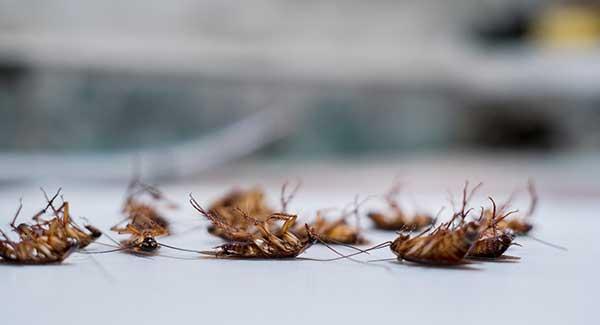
520,225
227,208
228,220
267,242
447,244
37,244
143,235
398,219
60,227
493,242
337,231
144,222
442,247
143,212
38,250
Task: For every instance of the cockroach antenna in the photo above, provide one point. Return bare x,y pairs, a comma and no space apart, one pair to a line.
562,248
14,220
534,198
49,204
286,199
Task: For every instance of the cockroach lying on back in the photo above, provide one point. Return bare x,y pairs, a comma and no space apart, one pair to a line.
398,219
519,225
47,240
493,242
143,210
227,208
268,241
336,231
144,222
449,243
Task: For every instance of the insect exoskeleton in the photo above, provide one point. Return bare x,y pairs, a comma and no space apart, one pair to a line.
145,210
397,218
520,225
442,247
493,241
492,244
338,231
228,209
268,244
46,241
38,251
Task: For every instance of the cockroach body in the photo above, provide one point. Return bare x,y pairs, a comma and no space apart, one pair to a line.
142,238
267,242
228,208
46,241
398,219
520,226
492,244
59,228
493,241
34,252
442,247
333,232
144,213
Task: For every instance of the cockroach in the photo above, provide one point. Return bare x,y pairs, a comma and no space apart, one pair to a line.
228,220
227,208
493,242
143,235
441,247
35,247
338,231
268,242
145,223
521,226
144,212
60,227
398,219
447,244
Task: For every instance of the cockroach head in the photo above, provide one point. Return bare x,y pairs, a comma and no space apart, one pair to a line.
312,235
148,244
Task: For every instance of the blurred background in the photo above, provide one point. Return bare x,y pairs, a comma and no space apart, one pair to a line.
213,89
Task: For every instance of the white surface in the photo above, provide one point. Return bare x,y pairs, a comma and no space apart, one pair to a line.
546,287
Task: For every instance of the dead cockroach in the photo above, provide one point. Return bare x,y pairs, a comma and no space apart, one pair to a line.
338,231
227,208
143,216
520,225
143,235
442,247
268,242
145,223
493,242
447,244
35,246
60,227
398,219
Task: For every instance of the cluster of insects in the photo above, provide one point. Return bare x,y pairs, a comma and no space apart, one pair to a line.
253,229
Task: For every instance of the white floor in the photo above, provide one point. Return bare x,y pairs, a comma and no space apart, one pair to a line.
547,286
